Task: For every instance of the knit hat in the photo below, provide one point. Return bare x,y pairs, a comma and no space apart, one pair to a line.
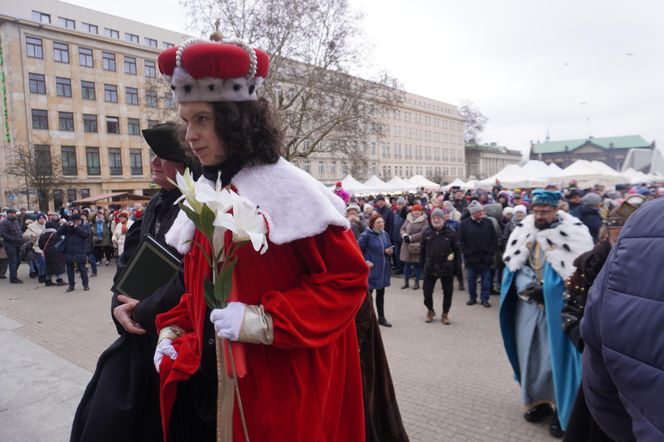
475,207
520,208
543,197
508,211
591,199
401,200
438,212
353,206
338,184
416,207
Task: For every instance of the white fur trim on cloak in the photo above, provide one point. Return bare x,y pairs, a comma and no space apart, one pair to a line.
561,244
297,205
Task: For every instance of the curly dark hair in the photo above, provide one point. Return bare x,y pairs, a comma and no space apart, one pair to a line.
249,130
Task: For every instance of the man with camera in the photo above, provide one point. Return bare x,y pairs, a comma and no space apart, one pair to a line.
539,256
75,248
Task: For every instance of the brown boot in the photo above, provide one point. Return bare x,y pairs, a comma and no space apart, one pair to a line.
444,319
430,315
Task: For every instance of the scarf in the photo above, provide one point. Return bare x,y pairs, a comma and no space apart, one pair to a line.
229,168
99,228
124,227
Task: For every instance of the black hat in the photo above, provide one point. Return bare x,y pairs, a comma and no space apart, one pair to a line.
380,198
164,143
76,216
11,210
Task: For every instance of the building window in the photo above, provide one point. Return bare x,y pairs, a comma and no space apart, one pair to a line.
37,83
307,166
115,160
321,168
41,17
92,160
66,121
112,125
68,160
110,93
108,61
168,101
61,52
151,42
132,96
150,69
130,65
39,119
133,126
63,87
88,90
85,193
57,198
131,38
151,99
43,160
90,123
67,23
34,47
152,123
136,161
167,44
111,33
85,57
71,195
90,29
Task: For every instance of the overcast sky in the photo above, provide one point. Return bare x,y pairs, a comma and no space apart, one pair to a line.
571,67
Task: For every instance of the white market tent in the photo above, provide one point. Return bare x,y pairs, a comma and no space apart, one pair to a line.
636,177
456,183
376,185
587,174
351,185
555,168
515,176
539,169
421,181
400,183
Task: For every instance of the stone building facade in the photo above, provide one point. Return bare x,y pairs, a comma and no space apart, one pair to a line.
485,160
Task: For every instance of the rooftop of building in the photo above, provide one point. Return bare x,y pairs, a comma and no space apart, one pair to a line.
619,142
492,147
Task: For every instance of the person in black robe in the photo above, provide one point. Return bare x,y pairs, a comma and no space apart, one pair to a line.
121,402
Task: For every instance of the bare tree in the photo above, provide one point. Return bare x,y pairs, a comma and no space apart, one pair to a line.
313,46
35,167
475,121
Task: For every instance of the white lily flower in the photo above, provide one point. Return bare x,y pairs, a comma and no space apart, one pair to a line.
187,186
246,222
218,200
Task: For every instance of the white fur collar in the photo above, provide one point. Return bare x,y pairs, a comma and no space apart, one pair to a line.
561,244
298,206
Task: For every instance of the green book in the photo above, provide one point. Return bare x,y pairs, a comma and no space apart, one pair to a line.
152,266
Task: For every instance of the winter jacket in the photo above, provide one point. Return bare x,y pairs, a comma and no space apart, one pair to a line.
440,254
32,233
373,245
623,359
119,237
399,217
10,232
387,215
478,242
341,193
55,260
413,228
589,215
101,233
77,240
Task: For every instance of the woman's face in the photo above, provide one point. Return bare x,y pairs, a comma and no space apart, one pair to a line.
379,224
417,213
201,136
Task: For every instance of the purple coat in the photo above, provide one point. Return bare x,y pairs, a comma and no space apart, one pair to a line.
623,328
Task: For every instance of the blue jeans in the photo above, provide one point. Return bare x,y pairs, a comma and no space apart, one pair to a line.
13,258
71,276
406,271
41,265
485,275
93,261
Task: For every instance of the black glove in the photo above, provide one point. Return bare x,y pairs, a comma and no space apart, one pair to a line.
406,239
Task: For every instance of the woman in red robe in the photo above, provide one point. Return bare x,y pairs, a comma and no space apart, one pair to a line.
292,309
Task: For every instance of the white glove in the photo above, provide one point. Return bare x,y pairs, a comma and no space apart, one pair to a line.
165,347
228,321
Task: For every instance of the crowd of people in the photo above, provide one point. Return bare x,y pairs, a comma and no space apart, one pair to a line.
62,242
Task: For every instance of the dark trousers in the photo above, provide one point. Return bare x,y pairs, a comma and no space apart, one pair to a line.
398,265
380,302
93,261
14,260
4,263
485,274
103,251
407,266
82,268
447,281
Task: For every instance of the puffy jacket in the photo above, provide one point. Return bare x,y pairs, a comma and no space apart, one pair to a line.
440,254
373,245
623,359
478,242
590,216
77,240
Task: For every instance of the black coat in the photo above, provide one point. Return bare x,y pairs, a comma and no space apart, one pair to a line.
437,246
77,241
121,402
10,232
590,216
478,242
55,261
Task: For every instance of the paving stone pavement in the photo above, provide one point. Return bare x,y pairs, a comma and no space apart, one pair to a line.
453,383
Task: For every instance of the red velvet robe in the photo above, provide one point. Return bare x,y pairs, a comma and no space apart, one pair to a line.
307,385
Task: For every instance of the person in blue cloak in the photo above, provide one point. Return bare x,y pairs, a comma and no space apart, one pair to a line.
538,257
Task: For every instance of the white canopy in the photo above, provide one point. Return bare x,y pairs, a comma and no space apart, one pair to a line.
516,176
376,185
636,177
421,181
587,174
400,183
351,185
456,183
539,169
556,169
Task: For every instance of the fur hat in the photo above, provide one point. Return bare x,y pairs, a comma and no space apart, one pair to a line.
353,206
475,207
204,70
